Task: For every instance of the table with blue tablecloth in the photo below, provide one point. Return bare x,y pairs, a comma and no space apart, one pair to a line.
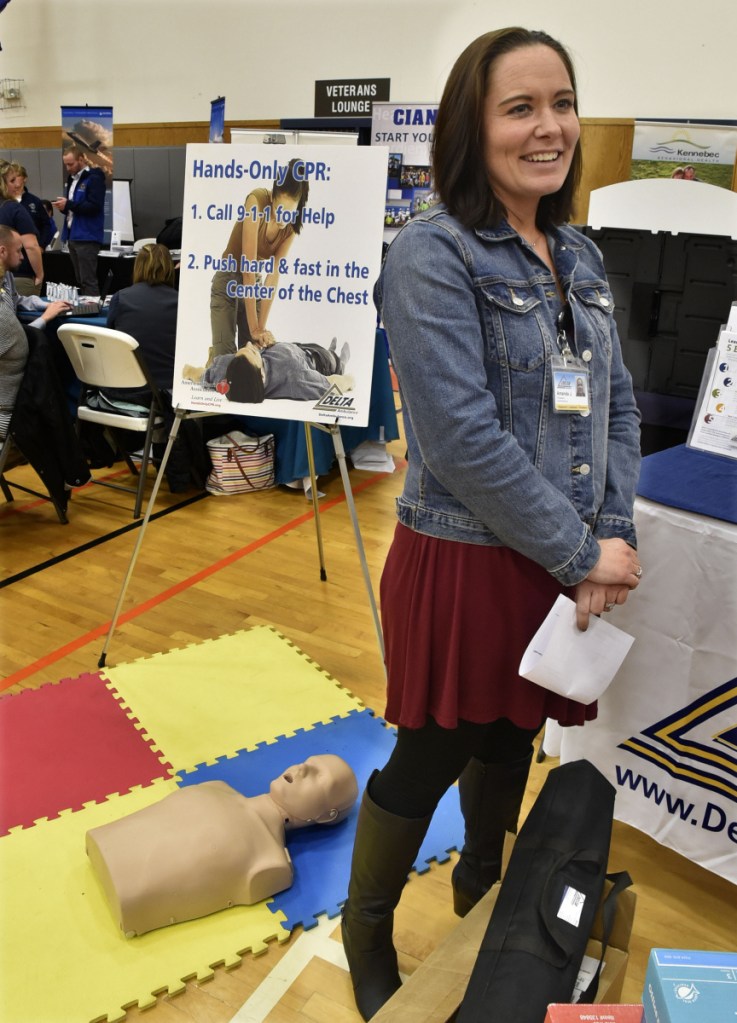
666,733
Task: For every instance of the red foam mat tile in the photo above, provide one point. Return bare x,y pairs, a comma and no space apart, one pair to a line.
67,744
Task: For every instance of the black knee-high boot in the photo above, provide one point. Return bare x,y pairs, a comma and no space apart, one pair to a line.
385,849
491,797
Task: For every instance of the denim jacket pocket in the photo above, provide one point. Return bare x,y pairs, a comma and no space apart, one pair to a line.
515,326
597,303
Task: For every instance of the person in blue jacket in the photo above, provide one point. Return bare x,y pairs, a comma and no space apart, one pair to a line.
83,206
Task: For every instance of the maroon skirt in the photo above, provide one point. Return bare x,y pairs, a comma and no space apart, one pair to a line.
457,618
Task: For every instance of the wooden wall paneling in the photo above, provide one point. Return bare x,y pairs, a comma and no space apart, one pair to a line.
176,134
606,145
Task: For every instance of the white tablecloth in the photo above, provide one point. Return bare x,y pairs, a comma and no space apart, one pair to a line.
666,735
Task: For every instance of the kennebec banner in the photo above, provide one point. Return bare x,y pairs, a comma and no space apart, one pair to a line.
687,151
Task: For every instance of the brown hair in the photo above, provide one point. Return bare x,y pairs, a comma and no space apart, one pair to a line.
295,188
154,265
460,177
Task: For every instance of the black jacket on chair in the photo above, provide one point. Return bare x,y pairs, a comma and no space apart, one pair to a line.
42,426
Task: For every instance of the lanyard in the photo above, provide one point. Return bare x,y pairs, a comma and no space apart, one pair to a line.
564,325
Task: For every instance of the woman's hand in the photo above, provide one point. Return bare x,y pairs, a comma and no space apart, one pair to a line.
263,338
609,582
595,598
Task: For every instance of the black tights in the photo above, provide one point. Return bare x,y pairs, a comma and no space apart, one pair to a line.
426,761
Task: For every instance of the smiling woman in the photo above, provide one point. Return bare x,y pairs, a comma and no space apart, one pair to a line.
531,132
514,493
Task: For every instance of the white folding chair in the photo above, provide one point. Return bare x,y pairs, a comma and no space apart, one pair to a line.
138,245
110,359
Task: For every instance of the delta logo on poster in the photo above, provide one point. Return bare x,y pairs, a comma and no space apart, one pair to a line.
697,747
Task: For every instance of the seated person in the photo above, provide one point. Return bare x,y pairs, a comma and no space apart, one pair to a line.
13,341
147,310
207,847
13,358
302,372
11,255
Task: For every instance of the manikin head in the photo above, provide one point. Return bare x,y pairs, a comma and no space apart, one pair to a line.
321,790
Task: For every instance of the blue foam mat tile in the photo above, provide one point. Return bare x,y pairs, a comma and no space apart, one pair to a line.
322,855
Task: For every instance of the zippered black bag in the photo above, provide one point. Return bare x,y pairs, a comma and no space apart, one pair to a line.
536,938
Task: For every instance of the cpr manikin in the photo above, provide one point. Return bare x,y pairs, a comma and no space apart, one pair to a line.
206,847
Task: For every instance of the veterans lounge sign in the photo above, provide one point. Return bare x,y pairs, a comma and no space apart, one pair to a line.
349,97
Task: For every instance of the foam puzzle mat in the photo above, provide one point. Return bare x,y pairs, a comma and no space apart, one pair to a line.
65,745
241,708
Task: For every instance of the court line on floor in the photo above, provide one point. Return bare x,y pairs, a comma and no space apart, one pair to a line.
315,942
58,558
177,588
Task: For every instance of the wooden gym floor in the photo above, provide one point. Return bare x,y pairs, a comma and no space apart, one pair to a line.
216,565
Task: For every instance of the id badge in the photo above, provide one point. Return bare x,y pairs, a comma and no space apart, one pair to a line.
570,382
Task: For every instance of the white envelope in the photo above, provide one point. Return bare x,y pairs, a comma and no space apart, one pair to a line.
575,664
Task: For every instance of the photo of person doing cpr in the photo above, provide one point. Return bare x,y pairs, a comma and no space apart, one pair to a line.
272,220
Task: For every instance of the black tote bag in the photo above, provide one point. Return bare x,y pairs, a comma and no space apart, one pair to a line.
536,938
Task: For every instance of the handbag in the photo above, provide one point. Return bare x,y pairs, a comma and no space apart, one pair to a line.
240,464
543,915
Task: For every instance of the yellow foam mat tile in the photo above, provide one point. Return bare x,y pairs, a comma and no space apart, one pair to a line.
215,698
63,958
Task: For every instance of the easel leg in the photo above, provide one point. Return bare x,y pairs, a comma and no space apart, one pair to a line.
315,505
178,416
340,453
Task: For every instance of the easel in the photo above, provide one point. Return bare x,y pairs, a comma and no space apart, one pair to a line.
334,430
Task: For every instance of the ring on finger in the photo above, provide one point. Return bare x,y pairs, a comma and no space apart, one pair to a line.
638,571
608,607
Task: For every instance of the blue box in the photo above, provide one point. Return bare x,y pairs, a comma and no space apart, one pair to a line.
683,986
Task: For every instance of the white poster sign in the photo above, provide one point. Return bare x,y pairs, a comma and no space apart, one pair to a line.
666,733
406,130
281,247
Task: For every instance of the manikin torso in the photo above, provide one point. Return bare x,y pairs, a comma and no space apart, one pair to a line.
201,849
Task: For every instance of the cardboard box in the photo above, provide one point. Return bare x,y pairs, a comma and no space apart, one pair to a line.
683,985
594,1014
435,990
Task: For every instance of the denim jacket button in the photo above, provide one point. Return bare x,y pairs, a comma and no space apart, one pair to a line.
587,355
584,469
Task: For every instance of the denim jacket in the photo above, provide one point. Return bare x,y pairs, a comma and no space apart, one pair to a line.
470,316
